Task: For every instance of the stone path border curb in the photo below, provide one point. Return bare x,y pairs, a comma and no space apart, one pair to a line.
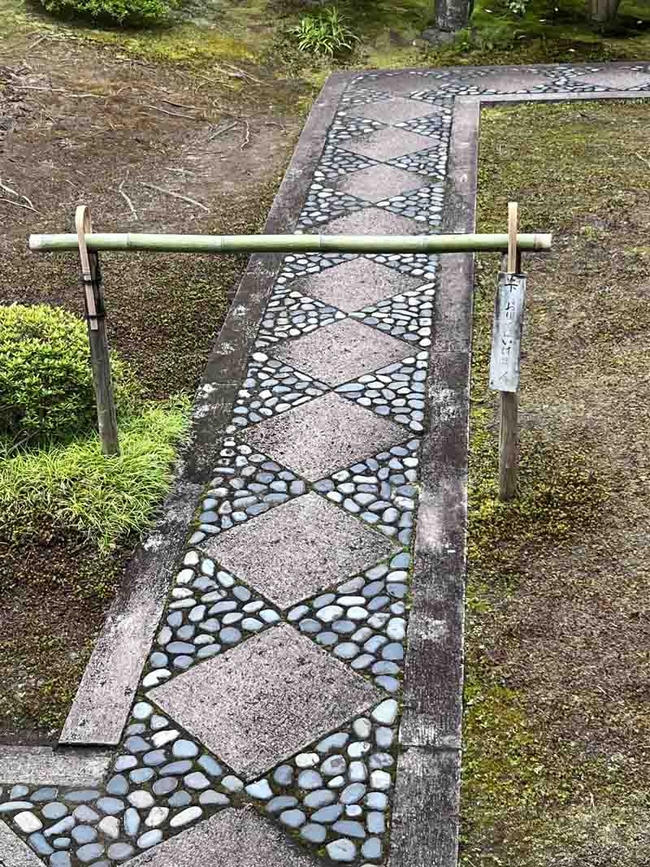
425,831
103,701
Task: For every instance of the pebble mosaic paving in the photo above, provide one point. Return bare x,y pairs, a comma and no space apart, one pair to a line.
269,704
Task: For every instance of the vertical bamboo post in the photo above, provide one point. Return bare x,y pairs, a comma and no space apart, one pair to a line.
508,438
96,319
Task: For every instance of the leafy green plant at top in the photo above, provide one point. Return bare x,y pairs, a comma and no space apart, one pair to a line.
324,34
121,12
46,390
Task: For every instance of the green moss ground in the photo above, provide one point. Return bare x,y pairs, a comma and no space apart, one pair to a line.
557,666
257,32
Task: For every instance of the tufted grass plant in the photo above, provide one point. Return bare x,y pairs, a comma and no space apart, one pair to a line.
74,485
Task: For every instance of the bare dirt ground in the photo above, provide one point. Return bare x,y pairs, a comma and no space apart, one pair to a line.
82,123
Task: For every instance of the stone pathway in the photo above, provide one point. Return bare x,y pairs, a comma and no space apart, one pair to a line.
265,728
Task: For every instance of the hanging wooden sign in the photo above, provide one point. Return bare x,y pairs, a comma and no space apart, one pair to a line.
506,332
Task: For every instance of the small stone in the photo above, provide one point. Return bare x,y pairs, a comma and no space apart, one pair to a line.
350,829
283,775
353,793
319,798
88,853
280,803
131,822
28,822
232,784
54,810
149,839
84,834
342,850
141,799
120,851
111,806
328,814
307,760
214,798
310,780
380,780
197,780
185,817
210,766
333,742
313,833
110,826
184,749
386,712
333,765
362,728
261,790
293,818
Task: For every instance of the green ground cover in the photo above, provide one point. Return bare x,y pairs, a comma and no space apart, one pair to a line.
557,664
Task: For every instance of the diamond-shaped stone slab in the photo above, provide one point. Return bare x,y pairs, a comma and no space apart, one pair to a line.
373,221
342,351
300,548
324,435
265,700
356,284
387,144
378,182
233,838
391,111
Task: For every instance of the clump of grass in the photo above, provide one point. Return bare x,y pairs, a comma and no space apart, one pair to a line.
75,486
325,34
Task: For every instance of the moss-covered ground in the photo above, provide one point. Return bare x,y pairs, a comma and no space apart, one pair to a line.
557,690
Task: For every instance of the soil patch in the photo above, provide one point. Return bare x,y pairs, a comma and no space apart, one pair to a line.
82,123
558,634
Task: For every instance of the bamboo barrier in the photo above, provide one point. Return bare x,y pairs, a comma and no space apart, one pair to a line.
289,243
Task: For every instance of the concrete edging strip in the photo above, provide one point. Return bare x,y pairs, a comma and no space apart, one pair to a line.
103,701
46,766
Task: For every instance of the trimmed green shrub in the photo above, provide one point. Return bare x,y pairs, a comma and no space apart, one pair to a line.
46,390
130,12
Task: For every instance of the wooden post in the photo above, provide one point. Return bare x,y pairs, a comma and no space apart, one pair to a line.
508,433
96,318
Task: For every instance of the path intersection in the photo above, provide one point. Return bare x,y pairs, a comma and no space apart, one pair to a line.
266,724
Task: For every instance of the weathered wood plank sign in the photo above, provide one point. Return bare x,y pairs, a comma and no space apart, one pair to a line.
506,332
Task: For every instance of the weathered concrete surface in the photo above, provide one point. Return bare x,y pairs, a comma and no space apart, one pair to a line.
377,183
13,852
327,434
342,351
46,766
425,828
394,110
293,552
265,699
372,221
387,144
354,284
233,838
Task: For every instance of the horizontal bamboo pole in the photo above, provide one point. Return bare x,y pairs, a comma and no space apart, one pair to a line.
289,243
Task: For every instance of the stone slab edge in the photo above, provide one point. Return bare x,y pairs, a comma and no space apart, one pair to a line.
46,766
13,852
101,706
425,823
